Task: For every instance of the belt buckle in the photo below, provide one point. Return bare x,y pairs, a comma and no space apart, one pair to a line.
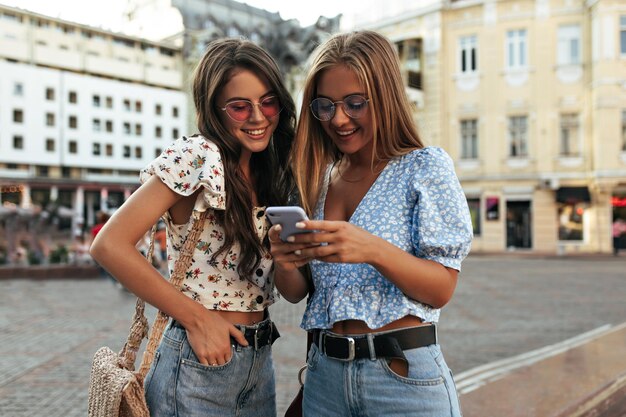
256,339
351,346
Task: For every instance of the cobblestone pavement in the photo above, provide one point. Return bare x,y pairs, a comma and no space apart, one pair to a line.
503,306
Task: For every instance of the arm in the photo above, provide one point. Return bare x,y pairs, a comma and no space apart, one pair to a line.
424,280
114,248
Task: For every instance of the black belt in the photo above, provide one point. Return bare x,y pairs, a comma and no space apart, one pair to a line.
375,345
265,333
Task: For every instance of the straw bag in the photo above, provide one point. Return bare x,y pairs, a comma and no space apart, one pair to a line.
115,388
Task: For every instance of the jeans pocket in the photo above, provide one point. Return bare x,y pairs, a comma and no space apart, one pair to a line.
194,362
423,368
153,366
313,358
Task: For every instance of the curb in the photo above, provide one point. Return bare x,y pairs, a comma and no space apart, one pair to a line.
610,400
41,272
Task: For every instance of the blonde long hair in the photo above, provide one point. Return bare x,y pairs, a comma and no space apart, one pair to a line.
375,62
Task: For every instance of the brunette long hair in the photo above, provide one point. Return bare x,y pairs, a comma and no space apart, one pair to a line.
270,168
375,62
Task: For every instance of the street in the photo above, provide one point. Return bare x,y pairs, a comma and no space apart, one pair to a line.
504,305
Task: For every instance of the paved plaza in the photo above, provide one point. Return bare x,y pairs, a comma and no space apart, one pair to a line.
504,306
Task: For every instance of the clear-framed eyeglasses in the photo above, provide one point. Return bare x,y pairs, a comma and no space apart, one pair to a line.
324,109
241,110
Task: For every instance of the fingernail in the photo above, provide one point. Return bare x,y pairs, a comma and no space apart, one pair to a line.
300,225
291,239
279,227
297,252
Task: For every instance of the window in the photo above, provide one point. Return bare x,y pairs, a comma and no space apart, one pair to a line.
474,208
516,49
95,123
72,97
622,34
49,119
138,129
18,116
469,139
109,102
568,51
138,106
95,149
174,133
174,111
126,128
18,89
157,109
138,152
157,152
50,145
571,221
18,142
518,136
158,132
50,94
127,105
467,54
623,130
73,122
109,126
95,100
42,171
570,138
109,149
72,146
126,151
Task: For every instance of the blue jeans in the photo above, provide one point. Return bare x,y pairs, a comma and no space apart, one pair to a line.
178,385
365,387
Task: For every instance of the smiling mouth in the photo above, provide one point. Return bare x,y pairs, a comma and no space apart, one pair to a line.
255,132
346,132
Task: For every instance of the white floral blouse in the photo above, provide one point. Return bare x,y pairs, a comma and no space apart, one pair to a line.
185,166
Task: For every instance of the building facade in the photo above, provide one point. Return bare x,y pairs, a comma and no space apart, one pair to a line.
82,110
529,98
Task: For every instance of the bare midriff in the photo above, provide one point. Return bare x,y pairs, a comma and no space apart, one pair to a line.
241,317
359,327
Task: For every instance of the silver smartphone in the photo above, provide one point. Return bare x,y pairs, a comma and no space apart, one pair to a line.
287,217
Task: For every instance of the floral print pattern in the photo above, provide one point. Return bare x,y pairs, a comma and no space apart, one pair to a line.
417,204
189,164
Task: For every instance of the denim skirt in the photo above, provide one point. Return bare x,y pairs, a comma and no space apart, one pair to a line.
178,385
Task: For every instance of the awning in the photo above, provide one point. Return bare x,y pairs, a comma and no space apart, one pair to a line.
573,195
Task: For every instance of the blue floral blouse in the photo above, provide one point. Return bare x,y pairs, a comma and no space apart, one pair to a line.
417,204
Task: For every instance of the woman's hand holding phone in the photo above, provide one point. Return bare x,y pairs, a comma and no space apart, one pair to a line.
285,220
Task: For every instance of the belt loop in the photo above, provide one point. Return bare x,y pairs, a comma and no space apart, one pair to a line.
256,338
436,333
370,344
320,342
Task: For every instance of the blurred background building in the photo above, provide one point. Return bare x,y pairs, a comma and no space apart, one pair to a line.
527,96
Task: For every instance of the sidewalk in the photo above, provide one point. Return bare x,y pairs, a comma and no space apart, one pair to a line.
586,380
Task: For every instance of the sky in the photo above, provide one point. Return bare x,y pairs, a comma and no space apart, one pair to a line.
107,14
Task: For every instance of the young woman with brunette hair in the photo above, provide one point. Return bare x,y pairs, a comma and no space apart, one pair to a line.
392,227
215,355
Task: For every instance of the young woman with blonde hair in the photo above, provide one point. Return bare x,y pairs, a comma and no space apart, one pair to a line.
392,227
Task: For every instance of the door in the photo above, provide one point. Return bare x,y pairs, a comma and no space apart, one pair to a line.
518,225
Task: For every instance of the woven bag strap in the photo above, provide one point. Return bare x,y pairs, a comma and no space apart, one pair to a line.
182,264
139,326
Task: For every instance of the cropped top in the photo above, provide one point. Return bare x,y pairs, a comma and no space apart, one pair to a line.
417,204
185,166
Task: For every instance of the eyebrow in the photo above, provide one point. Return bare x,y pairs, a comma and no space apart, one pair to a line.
263,97
344,97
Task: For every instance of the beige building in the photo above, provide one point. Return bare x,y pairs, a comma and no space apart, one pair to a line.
529,98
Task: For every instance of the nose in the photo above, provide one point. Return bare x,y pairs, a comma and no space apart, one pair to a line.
256,112
340,117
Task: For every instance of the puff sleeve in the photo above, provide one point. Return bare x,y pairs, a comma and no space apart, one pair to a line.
441,226
188,164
